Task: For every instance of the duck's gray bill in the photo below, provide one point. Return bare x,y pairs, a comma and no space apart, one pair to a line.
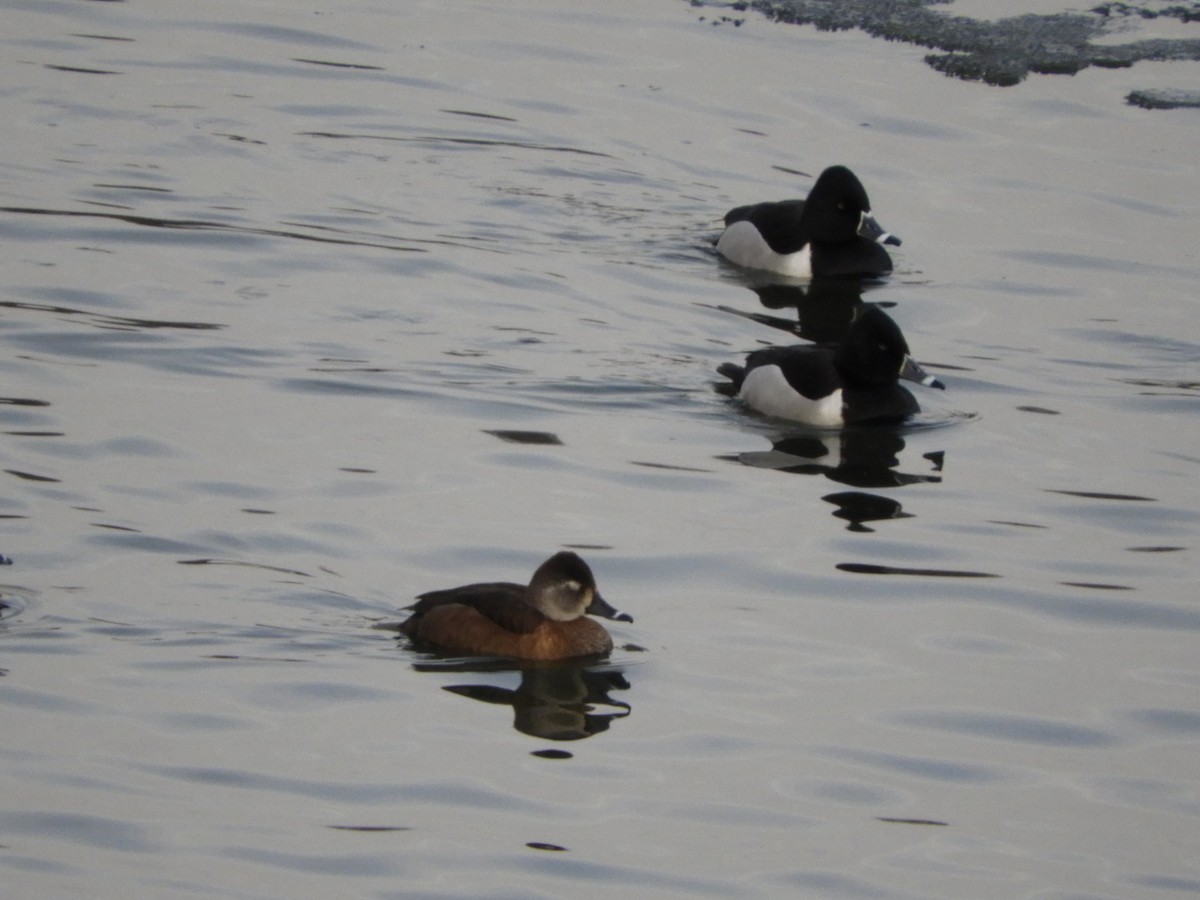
911,371
873,231
601,607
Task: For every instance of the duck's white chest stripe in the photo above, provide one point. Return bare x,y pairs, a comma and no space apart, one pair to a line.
741,243
765,389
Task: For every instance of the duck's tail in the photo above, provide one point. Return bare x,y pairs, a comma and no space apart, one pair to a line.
735,374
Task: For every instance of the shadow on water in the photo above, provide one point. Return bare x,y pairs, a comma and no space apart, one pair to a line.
206,228
10,604
102,320
556,702
469,142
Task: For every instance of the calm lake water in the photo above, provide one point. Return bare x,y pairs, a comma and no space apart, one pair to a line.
292,298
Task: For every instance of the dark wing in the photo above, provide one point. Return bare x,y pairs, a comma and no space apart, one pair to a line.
856,258
779,223
880,405
430,599
501,602
808,368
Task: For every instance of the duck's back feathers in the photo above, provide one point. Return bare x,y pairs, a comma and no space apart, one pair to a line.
499,602
800,386
808,369
780,223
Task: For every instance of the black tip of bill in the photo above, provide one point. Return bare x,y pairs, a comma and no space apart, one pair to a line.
873,231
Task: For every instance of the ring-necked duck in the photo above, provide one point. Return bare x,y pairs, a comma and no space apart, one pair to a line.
854,382
545,620
831,233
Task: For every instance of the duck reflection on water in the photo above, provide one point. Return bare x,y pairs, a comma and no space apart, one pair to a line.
859,507
558,702
859,457
823,308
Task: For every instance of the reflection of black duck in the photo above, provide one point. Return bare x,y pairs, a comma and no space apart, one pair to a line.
864,458
831,233
557,703
857,507
545,620
824,308
854,382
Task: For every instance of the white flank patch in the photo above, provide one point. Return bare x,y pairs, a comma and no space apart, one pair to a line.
765,389
741,243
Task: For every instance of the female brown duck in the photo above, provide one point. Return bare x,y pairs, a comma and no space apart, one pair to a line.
545,620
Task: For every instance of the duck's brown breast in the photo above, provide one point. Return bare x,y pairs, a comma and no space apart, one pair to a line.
460,628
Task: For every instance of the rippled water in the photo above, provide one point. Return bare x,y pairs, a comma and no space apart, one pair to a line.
306,311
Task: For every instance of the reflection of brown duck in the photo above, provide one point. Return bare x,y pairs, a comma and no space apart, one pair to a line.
545,620
558,703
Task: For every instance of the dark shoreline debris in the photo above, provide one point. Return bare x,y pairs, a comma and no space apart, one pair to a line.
1001,52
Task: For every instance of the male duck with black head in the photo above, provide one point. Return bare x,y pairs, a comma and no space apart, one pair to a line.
831,234
545,620
853,383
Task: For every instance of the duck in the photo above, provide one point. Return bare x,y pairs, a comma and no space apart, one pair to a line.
832,233
544,620
854,382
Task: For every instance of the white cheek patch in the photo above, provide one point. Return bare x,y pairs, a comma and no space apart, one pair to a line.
741,243
765,389
566,600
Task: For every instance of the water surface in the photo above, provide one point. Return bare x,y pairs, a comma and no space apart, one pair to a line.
286,292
